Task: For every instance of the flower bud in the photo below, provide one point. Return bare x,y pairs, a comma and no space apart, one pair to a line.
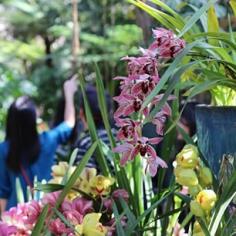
196,209
194,190
197,230
188,157
205,176
207,199
186,177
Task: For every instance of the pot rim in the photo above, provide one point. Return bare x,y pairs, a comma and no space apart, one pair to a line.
206,106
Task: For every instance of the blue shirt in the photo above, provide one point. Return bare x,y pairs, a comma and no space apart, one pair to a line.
41,168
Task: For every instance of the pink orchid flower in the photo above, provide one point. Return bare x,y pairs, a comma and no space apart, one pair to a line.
129,104
57,227
7,230
23,216
129,129
51,198
142,147
74,211
141,65
167,45
120,193
144,85
153,163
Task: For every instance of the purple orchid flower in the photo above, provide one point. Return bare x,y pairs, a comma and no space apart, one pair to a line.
142,147
166,45
129,104
153,163
141,65
129,129
74,211
7,230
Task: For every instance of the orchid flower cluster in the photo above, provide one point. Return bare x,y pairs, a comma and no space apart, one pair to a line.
142,78
192,174
86,214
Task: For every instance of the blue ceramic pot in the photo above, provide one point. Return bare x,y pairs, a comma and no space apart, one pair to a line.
216,133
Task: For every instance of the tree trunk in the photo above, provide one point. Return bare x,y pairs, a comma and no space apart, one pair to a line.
48,44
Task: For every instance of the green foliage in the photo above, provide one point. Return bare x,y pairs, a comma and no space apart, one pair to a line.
36,44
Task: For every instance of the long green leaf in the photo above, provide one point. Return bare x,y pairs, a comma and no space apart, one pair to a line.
19,191
119,228
100,158
76,174
48,188
175,79
196,17
204,227
158,15
171,69
71,162
168,9
228,194
233,5
40,222
150,209
119,171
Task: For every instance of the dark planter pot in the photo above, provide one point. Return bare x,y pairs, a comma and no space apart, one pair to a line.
216,132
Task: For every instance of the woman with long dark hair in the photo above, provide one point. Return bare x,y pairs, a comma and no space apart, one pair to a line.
25,154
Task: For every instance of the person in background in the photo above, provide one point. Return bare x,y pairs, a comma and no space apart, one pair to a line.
26,155
84,143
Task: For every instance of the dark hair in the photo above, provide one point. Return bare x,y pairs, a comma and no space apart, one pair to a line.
21,133
91,94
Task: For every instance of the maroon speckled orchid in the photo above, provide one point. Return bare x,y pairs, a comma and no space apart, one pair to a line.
166,45
145,85
142,147
141,80
129,129
141,65
129,104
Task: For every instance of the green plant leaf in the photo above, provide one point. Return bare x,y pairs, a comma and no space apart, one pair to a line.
233,5
100,158
213,24
71,162
204,227
196,17
40,222
168,9
157,14
119,172
48,188
228,194
19,191
119,228
171,69
76,174
149,210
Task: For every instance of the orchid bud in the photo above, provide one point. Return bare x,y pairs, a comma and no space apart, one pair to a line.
205,176
197,230
186,177
188,157
207,199
194,190
60,169
196,209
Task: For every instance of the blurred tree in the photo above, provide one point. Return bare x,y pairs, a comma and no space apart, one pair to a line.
35,43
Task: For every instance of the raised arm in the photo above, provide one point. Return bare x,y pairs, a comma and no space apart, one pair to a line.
70,87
